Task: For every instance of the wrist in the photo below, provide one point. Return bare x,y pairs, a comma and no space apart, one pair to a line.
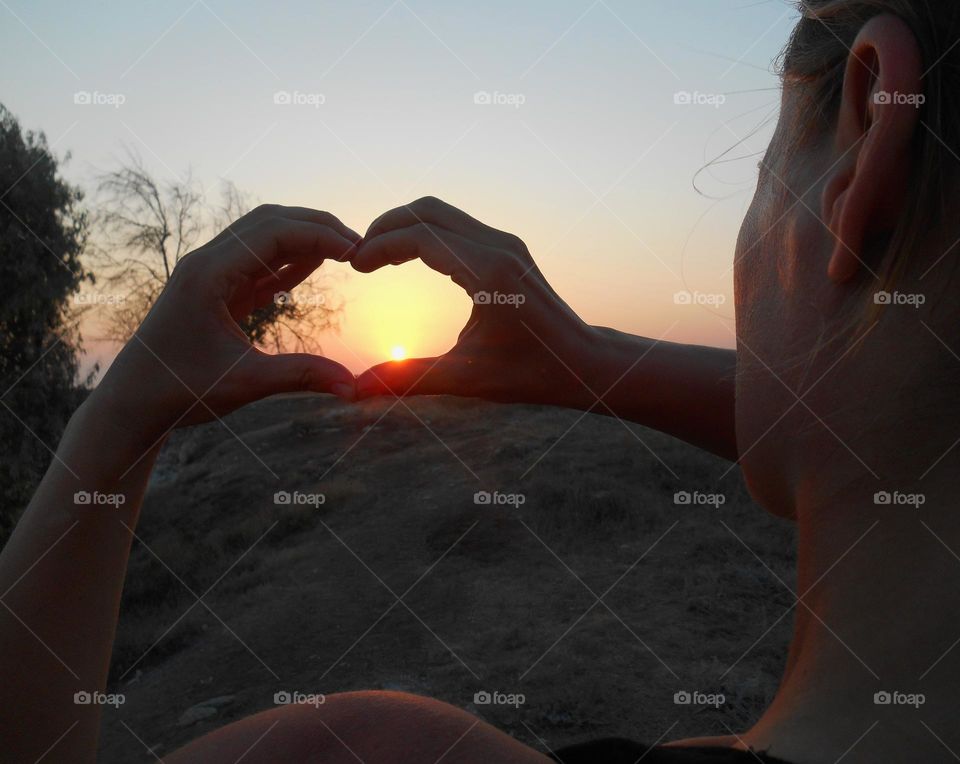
587,369
115,426
615,363
604,360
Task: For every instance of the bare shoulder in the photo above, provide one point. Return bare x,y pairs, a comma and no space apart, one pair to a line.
360,726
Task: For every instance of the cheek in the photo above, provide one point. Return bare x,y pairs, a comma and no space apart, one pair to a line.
771,271
755,255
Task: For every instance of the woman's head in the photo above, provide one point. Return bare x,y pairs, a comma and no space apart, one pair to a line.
854,209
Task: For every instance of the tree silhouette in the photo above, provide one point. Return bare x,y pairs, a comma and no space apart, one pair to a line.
43,231
144,226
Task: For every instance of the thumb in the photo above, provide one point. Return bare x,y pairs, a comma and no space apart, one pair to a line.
302,372
414,376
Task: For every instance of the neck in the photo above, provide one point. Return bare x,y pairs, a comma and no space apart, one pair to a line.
877,586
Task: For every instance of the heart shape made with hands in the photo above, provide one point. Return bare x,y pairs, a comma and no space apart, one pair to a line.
191,347
522,343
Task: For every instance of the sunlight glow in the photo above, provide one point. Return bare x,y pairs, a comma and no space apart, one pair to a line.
398,353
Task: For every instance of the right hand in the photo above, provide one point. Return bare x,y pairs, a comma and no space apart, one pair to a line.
522,342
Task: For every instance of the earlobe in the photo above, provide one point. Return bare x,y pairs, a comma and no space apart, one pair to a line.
844,261
876,125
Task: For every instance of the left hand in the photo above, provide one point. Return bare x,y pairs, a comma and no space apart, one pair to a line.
189,361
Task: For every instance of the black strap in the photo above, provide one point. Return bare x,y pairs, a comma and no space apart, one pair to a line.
622,751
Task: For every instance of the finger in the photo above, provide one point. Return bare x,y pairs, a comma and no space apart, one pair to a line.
298,372
275,242
414,376
469,264
280,285
324,218
305,214
436,212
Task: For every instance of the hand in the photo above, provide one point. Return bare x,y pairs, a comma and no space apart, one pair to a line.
189,361
522,342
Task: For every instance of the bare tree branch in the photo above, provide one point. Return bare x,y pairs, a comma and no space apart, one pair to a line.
144,227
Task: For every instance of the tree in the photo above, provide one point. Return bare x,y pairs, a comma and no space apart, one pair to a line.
145,226
43,232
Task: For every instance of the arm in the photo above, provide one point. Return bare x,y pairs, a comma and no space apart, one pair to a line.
62,571
524,344
683,390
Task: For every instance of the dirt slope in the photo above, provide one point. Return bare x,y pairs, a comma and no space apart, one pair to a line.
494,597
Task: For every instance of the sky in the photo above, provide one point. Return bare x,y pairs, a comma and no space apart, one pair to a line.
586,127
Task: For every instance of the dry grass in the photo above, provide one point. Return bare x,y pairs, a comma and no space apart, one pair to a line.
510,606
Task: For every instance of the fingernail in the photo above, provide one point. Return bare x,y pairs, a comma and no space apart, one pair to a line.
343,390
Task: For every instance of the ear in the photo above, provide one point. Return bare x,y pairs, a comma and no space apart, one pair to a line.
876,125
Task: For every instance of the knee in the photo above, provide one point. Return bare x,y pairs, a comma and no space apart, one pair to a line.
369,726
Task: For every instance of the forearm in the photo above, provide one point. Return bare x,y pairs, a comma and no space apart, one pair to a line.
687,391
62,575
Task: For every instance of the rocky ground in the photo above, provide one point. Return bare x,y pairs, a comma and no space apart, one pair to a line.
581,585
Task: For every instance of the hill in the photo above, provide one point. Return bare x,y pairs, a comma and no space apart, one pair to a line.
581,586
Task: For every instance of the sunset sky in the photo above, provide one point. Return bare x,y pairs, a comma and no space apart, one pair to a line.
584,150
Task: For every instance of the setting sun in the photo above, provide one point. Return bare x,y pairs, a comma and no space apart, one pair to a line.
398,353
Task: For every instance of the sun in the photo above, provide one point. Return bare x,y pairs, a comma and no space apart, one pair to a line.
398,353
